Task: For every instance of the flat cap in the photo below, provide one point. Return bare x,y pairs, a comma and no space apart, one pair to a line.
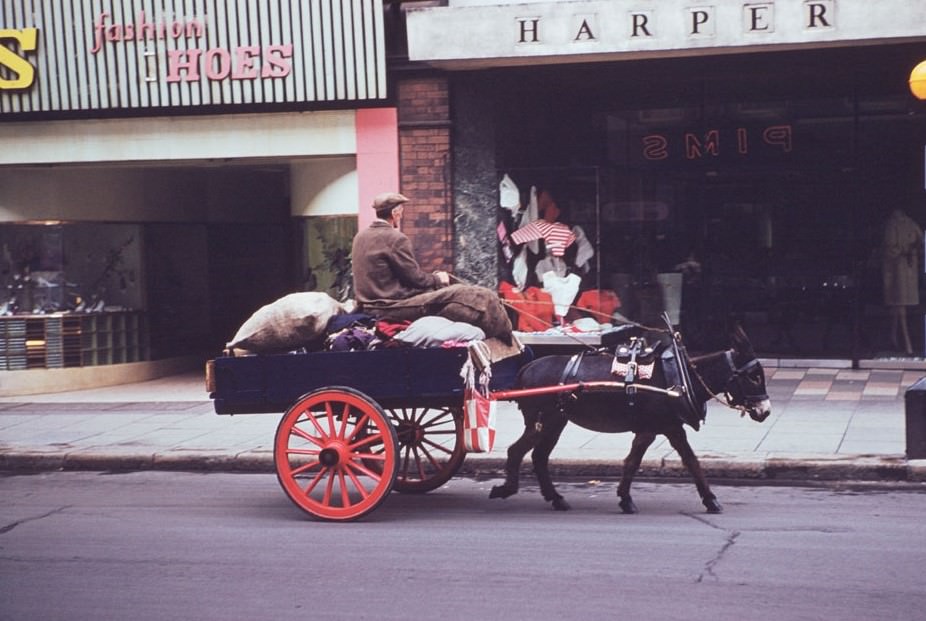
387,200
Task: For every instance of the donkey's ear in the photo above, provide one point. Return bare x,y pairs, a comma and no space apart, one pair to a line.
739,339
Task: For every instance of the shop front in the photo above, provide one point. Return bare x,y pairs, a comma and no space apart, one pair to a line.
169,167
760,163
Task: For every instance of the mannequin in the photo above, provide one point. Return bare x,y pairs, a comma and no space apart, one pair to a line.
903,239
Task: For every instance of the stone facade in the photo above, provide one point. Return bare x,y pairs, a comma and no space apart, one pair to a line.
475,181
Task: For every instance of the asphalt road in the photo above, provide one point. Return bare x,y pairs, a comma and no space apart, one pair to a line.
161,545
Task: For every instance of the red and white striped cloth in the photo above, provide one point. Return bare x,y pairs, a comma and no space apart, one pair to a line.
557,235
479,414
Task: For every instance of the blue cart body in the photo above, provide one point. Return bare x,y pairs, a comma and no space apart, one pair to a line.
400,377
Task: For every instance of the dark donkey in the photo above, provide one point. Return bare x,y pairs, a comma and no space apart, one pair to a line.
675,394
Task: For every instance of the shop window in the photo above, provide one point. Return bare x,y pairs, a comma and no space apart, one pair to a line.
70,295
326,261
56,267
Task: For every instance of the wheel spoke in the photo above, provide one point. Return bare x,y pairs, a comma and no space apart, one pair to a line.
344,418
371,456
329,413
305,467
434,462
439,419
422,475
436,446
315,481
357,483
301,451
366,441
404,415
407,450
314,419
329,488
345,493
364,470
361,424
296,431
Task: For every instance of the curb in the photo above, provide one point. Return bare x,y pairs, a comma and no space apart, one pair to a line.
875,469
758,471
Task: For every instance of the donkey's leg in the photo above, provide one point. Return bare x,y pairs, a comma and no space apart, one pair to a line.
641,442
679,442
516,453
553,425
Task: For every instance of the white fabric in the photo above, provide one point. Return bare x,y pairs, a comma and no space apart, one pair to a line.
563,290
529,215
587,324
584,250
550,263
519,268
509,195
433,331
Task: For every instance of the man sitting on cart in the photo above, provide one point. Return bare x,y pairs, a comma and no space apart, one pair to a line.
389,283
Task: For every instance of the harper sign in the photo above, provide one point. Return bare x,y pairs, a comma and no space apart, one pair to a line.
79,55
467,34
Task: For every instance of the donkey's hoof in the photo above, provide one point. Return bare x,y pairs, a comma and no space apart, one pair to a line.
502,491
560,504
627,506
713,506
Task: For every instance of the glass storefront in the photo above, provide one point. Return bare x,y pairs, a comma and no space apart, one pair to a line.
206,247
751,188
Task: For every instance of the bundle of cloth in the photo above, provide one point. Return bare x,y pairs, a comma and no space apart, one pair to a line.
314,321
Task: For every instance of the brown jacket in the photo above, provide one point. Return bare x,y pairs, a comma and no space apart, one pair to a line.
385,268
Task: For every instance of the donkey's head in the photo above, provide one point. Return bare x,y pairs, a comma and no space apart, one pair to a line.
746,386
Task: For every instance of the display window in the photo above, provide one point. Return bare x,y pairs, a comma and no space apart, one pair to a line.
50,267
731,190
71,295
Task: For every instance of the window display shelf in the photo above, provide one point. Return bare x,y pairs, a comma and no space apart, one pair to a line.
72,340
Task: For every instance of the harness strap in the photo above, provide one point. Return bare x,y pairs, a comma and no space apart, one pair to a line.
681,356
572,367
570,371
632,368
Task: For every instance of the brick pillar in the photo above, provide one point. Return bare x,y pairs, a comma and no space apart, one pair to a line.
424,169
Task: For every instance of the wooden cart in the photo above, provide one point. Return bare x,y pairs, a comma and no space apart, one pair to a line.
357,424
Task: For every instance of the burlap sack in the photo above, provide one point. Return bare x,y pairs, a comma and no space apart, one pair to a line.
293,321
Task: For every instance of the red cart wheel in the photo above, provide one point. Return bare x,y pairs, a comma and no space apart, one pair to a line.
324,447
430,446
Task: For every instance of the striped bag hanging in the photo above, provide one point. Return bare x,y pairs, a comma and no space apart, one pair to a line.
479,414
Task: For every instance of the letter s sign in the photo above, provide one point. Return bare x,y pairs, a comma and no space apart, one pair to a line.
23,73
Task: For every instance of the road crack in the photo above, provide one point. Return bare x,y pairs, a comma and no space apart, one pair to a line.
711,564
729,540
5,529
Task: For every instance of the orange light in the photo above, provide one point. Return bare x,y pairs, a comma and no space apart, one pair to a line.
918,81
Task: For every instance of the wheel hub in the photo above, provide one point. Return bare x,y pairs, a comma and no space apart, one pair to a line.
329,457
410,433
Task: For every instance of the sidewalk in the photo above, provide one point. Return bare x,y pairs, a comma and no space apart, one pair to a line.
826,424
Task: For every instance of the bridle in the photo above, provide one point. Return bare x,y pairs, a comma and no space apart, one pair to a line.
741,378
735,395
